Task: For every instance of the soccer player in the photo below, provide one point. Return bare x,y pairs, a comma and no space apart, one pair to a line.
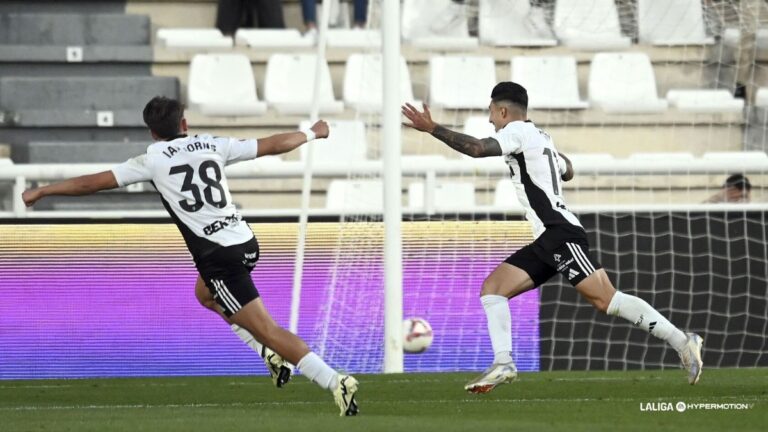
560,244
188,171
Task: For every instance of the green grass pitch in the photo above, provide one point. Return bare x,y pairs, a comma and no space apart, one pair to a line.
545,401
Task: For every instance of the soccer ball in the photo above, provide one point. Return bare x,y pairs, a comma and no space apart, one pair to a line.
417,335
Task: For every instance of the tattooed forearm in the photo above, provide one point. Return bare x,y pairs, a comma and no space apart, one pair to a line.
466,144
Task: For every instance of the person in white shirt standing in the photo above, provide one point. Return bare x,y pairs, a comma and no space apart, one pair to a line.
188,172
560,244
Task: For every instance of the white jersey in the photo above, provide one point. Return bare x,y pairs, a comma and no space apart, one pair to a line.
188,171
535,168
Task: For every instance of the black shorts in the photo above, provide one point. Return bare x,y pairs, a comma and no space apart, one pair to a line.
557,250
227,274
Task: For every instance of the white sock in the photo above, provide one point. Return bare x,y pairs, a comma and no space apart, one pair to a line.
246,337
641,314
499,326
314,368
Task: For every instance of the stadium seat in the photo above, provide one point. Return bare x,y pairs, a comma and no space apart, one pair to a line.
624,83
347,143
662,156
355,195
505,195
761,97
81,151
671,22
738,155
272,38
704,100
192,38
363,85
513,23
461,82
552,82
436,24
82,101
592,25
454,196
223,85
74,38
587,158
478,127
354,38
64,29
289,84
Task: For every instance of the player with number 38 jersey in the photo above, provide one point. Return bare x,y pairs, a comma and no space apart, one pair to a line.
188,171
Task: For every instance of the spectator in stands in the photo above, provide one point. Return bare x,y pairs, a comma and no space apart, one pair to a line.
234,14
736,189
309,12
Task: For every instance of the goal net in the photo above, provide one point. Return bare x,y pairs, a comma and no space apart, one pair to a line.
657,113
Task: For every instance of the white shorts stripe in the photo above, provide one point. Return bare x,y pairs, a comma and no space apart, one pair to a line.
586,258
579,260
232,298
227,302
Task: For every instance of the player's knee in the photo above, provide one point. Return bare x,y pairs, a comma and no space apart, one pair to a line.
490,286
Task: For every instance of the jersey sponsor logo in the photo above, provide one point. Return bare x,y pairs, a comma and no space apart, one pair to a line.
572,274
557,257
220,224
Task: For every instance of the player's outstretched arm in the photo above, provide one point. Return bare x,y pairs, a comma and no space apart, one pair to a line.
568,170
83,185
460,142
285,142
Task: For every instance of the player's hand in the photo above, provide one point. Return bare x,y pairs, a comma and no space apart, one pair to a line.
30,196
419,120
321,129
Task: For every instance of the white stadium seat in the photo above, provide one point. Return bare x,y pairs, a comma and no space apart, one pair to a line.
457,196
761,97
223,85
589,158
513,23
355,195
552,82
436,24
363,85
590,24
272,38
193,38
505,195
289,84
346,142
458,82
671,22
624,83
478,127
354,38
662,156
738,155
704,100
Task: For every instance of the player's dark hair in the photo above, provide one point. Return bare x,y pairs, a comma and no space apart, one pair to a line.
510,92
738,181
162,116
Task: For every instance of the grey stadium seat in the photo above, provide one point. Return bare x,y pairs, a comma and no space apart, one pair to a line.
80,101
100,37
83,151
